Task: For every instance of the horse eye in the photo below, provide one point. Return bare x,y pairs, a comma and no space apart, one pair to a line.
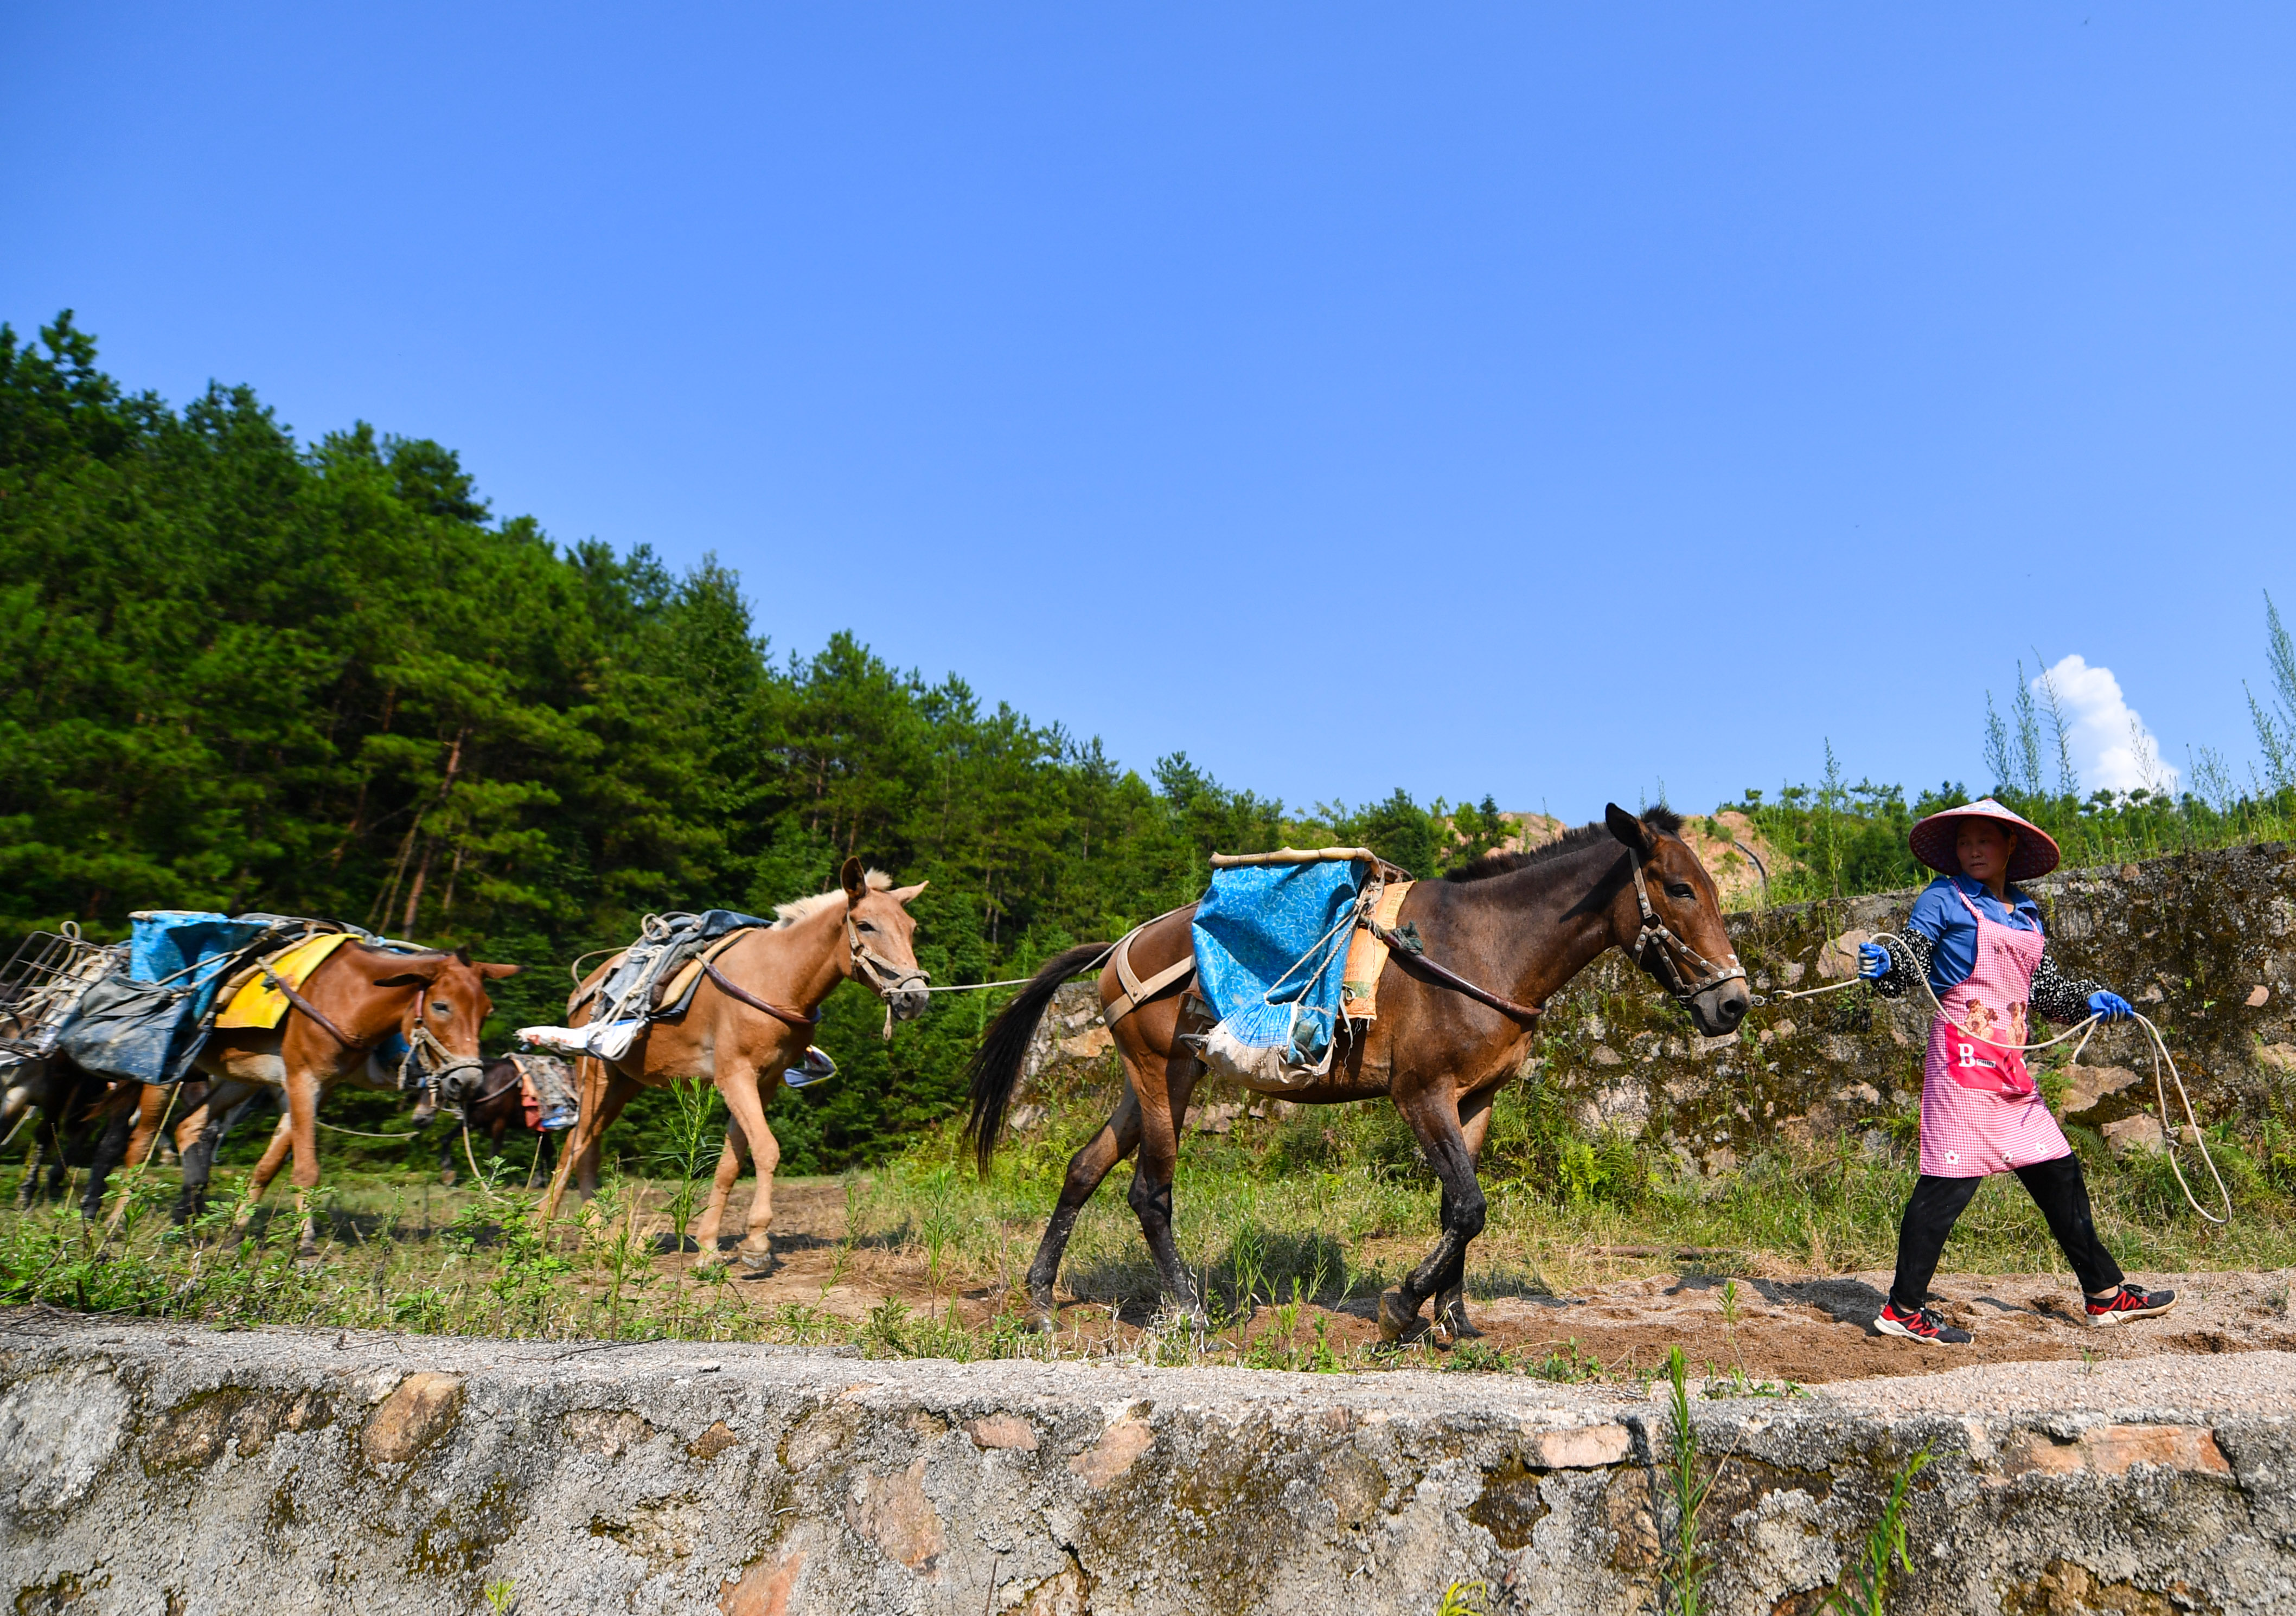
1679,888
867,925
441,1008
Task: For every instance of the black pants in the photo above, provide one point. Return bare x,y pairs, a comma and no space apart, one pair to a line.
2057,1188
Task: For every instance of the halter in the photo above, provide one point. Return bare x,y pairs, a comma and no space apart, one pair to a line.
1673,951
439,1063
885,979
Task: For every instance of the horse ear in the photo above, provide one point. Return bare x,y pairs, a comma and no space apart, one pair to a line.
854,880
494,972
1629,830
462,954
906,895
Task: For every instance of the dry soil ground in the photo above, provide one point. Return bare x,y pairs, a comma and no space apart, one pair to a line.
1768,1325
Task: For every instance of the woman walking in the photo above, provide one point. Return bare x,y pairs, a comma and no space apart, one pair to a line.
1978,941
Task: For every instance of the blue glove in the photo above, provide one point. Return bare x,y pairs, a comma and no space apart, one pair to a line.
1873,961
2111,1007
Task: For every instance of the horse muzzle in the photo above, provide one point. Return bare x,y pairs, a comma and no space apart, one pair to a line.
908,1003
1719,1010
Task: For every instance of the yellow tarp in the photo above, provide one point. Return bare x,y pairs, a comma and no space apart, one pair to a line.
260,1005
1367,956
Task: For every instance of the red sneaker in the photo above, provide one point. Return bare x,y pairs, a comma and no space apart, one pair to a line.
2131,1302
1925,1326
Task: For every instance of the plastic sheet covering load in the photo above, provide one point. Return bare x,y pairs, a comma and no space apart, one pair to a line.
646,982
259,1004
147,1025
1271,954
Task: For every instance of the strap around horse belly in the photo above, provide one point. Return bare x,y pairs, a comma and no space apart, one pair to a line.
733,991
1136,992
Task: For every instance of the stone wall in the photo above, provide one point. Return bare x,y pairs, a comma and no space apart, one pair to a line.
176,1471
2204,943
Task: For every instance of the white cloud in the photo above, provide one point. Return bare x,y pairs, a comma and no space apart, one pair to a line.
2110,746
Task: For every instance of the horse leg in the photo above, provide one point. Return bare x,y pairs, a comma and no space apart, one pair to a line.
603,1095
302,1124
1163,1105
110,1151
199,1151
729,1169
744,1100
1451,1305
1434,1120
1117,1138
267,1169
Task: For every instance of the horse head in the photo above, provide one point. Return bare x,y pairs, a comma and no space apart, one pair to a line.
447,1009
882,936
1669,917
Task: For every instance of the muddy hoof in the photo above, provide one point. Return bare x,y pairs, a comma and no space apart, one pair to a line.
1396,1322
757,1263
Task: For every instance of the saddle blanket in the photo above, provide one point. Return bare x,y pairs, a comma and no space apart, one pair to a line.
259,1004
1271,958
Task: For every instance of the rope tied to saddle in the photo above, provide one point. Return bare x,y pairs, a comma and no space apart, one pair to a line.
2163,1061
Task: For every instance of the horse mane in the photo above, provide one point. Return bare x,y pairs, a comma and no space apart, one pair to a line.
805,908
1661,819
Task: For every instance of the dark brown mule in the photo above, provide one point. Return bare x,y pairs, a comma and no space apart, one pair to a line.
743,1042
1517,924
361,995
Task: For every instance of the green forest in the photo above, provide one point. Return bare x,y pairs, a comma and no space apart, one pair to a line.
239,672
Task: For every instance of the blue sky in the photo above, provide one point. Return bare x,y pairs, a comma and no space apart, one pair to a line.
1548,403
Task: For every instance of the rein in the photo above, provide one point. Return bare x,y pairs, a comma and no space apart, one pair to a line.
735,990
1404,947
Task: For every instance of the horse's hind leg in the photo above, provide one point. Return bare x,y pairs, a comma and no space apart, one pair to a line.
1117,1138
1434,1118
110,1150
1163,1104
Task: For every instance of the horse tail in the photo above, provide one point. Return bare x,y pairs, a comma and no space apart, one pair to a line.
994,1070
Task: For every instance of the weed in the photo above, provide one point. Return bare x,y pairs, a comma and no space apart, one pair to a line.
1688,1563
1463,1599
1864,1586
501,1594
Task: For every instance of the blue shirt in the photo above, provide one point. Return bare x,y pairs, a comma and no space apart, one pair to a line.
1940,916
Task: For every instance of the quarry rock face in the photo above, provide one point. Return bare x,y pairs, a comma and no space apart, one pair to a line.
182,1472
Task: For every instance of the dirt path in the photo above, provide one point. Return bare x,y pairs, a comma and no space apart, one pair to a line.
1801,1328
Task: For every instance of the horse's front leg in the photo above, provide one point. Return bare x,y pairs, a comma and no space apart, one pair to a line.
199,1148
746,1102
1434,1115
302,1124
721,1186
1451,1322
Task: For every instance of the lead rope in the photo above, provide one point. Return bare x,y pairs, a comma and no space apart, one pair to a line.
2161,1058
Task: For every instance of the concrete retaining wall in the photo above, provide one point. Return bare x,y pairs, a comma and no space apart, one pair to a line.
176,1470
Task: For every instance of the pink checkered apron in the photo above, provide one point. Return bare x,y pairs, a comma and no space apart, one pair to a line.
1980,1111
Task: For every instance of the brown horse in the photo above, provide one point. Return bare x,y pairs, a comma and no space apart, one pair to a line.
742,1041
360,994
1518,925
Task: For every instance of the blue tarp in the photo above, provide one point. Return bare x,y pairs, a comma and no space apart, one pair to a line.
186,949
1271,946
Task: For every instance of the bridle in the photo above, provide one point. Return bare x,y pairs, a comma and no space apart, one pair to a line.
1673,952
884,977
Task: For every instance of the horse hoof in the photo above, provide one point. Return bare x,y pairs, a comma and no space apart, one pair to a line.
757,1263
1396,1323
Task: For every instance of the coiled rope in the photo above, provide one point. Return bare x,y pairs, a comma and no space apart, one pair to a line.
2163,1061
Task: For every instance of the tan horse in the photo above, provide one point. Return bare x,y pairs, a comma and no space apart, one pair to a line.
356,998
743,1041
1517,924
